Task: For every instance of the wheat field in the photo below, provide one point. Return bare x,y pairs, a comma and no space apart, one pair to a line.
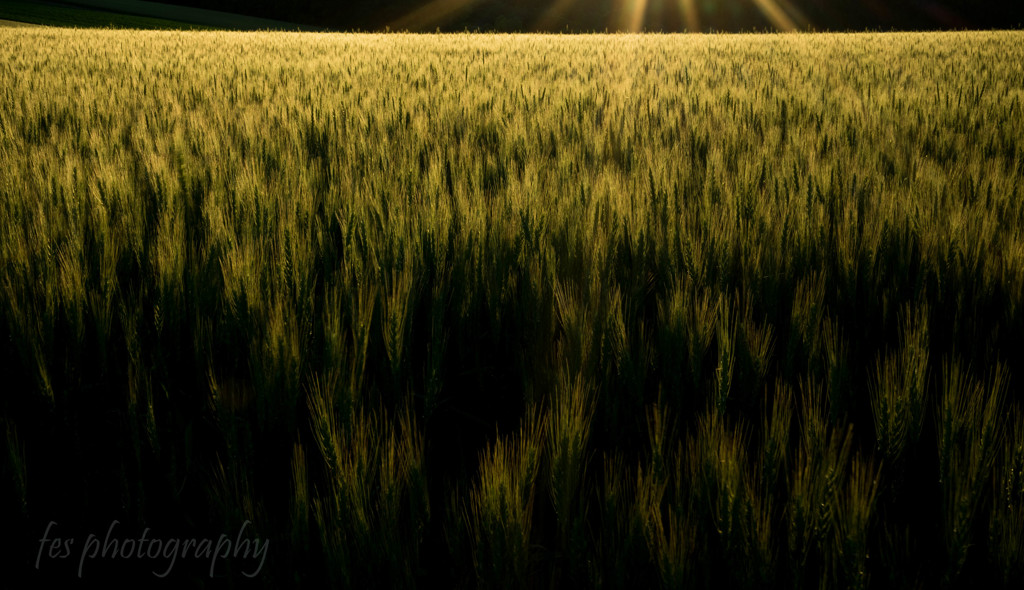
517,310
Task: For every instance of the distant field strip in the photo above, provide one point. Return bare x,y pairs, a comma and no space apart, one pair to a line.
732,311
11,23
69,16
133,14
210,18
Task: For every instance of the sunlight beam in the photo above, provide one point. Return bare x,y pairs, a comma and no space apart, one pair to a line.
801,21
691,16
630,15
775,15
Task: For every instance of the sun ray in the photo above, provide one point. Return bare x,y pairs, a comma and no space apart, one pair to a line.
432,14
801,21
629,15
691,16
775,15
